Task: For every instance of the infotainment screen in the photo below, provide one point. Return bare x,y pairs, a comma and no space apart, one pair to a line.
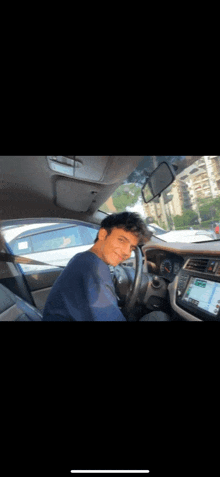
203,294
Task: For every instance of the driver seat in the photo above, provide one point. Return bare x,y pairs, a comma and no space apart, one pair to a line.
14,308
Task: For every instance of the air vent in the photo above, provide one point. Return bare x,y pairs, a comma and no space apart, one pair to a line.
197,264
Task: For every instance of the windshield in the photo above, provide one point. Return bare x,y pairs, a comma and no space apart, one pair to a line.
190,204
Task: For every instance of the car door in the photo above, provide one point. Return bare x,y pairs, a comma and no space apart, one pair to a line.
55,246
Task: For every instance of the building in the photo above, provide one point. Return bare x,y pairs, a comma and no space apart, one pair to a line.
200,180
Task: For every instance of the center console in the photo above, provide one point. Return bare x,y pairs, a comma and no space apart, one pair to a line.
198,295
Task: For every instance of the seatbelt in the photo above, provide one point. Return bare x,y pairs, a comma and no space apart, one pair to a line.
8,257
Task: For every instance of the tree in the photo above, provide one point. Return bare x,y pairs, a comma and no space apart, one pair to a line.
126,195
207,211
209,208
188,218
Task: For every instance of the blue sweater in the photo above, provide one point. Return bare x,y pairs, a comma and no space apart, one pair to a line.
83,292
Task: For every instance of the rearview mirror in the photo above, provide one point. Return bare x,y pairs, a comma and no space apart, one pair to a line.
159,180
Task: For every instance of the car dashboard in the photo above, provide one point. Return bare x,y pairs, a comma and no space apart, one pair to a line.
164,264
192,274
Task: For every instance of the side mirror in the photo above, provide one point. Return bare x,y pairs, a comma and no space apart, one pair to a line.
159,180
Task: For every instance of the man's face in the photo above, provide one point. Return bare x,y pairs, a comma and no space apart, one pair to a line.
116,247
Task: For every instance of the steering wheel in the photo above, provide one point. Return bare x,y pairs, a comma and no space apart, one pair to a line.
121,281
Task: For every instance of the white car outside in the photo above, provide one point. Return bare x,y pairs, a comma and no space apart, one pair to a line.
188,236
60,251
156,229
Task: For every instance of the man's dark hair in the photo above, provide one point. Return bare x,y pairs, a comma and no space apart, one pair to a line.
128,221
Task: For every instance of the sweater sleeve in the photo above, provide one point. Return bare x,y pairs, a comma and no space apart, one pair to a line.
100,296
83,292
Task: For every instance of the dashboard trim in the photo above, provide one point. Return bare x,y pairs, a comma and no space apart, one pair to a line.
213,249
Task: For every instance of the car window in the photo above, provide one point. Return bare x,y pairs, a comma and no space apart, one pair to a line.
190,202
54,240
22,246
92,234
54,244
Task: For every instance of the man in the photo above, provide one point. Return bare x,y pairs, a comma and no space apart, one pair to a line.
84,291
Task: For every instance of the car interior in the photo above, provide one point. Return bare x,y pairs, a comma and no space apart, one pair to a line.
168,277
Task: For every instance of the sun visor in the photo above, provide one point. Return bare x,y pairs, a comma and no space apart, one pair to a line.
74,195
101,169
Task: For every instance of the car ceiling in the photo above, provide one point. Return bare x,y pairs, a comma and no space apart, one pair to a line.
30,189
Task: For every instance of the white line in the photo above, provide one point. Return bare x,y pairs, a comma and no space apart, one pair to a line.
109,471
